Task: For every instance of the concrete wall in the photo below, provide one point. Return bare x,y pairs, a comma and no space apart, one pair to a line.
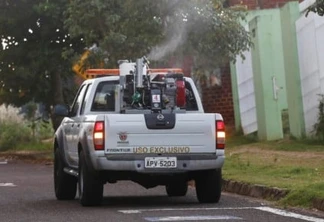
310,35
268,71
289,14
243,85
214,96
244,95
274,65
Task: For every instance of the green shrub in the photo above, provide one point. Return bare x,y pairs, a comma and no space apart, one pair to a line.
40,127
12,134
45,131
319,125
10,113
18,131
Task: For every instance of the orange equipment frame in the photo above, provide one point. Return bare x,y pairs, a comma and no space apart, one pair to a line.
92,73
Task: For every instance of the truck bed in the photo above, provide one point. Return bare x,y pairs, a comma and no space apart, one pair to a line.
129,133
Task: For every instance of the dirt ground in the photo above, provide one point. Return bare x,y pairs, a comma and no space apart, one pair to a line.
27,156
307,158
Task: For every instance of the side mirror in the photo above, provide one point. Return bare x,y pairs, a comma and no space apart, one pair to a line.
61,110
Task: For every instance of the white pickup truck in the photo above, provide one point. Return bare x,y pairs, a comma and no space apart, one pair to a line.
143,125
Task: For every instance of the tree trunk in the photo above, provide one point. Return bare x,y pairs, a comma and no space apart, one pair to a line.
57,98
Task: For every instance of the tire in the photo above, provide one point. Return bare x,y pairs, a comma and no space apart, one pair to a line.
65,185
209,186
177,189
90,186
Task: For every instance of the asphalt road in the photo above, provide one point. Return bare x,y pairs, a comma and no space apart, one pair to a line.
26,194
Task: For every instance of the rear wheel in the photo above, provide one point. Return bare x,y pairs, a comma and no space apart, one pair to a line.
65,185
90,186
177,189
209,186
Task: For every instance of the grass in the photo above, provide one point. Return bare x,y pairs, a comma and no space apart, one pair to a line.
294,165
19,133
34,146
34,152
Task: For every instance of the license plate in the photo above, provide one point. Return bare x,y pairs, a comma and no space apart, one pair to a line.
160,162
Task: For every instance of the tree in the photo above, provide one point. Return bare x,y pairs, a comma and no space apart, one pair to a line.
317,7
123,28
204,30
32,66
43,37
31,117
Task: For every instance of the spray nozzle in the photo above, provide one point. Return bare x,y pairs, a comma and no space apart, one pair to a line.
145,60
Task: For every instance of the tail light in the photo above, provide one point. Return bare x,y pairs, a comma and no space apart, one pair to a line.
99,135
181,93
220,134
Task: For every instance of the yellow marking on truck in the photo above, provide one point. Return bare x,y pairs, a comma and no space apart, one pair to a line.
162,149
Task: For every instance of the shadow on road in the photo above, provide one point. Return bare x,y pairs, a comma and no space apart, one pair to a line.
147,201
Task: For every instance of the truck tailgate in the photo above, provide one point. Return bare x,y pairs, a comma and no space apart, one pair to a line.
128,133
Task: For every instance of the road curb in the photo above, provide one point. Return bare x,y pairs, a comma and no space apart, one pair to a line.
264,192
254,190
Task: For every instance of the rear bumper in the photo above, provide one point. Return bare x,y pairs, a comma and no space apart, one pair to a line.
185,163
